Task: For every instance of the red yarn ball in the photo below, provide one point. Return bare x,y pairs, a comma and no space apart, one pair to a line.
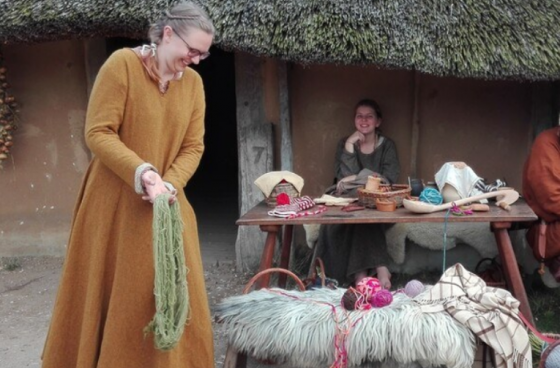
381,299
282,199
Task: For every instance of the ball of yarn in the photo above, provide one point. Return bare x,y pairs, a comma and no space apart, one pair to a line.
431,196
368,286
381,298
413,288
553,358
282,199
349,299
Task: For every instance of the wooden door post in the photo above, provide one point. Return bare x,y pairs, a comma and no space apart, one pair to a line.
255,149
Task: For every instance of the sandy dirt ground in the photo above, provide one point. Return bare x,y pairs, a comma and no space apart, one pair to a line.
27,296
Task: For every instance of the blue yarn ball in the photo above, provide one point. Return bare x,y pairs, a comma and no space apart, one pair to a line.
431,196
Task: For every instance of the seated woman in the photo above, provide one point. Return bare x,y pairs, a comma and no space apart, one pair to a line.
541,189
351,252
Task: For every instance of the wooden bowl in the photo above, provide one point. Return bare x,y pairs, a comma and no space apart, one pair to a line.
385,205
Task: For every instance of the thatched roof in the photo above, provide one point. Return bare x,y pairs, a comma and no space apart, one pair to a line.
497,39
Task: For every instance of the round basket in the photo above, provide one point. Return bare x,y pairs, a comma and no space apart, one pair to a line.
287,188
299,283
549,350
492,273
395,192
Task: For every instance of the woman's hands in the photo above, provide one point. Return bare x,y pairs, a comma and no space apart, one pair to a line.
353,139
153,186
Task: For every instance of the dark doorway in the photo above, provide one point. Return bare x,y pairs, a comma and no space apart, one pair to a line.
217,173
213,190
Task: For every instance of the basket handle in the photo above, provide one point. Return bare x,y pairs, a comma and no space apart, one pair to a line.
270,270
313,272
493,263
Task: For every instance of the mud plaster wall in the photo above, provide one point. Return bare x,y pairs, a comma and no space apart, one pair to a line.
39,188
484,123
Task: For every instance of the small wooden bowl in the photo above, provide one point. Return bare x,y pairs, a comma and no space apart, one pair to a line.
385,205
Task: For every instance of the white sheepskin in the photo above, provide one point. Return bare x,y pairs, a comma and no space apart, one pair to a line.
311,234
298,328
430,236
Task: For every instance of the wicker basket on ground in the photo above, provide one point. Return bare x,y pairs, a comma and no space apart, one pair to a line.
547,355
395,192
287,188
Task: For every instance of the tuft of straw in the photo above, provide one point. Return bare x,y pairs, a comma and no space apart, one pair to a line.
506,39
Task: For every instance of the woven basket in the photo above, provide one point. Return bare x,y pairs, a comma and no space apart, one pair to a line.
395,192
287,188
489,270
552,346
297,280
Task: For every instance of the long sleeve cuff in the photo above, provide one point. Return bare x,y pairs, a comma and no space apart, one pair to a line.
140,170
170,187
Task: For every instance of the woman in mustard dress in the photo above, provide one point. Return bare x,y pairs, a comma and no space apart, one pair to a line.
145,127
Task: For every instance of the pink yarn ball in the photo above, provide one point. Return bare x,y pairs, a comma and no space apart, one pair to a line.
413,288
368,286
382,298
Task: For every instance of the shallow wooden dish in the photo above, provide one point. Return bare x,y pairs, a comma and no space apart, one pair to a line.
385,205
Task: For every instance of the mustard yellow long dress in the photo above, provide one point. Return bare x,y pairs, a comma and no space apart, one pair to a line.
105,298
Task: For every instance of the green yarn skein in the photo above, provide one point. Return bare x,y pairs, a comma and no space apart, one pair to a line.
170,281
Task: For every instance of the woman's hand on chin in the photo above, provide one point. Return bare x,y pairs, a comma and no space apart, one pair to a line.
356,137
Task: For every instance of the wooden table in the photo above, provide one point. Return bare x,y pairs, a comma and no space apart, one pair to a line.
500,221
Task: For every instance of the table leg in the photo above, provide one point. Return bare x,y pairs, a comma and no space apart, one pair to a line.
511,269
285,256
268,253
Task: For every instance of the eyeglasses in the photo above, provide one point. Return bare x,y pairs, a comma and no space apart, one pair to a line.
193,52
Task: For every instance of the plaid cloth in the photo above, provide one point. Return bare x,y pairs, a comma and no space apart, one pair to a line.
490,313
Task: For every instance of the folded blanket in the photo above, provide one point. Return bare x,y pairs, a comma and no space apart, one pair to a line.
491,313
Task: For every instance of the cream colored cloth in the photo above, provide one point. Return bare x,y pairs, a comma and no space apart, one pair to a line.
329,200
459,176
492,314
268,181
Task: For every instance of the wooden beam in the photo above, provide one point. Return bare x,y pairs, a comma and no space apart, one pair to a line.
286,150
415,136
255,147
